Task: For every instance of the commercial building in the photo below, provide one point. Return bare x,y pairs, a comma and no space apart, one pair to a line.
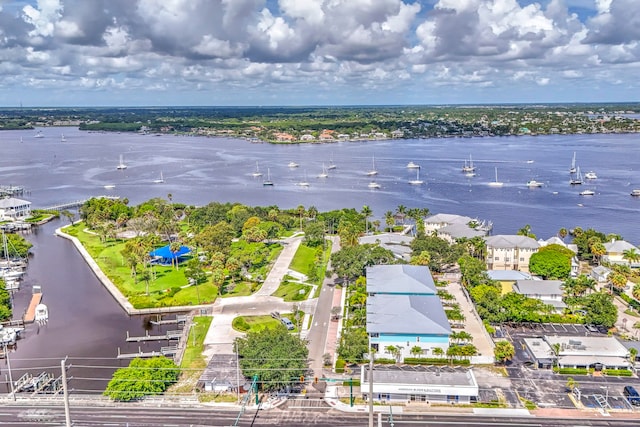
420,384
593,352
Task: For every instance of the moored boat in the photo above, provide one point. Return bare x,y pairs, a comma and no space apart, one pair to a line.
534,184
587,193
635,192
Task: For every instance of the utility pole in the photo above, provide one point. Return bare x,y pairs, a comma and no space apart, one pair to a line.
6,355
370,387
67,416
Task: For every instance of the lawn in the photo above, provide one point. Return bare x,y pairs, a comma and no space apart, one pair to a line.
193,358
290,291
312,262
258,323
239,289
167,288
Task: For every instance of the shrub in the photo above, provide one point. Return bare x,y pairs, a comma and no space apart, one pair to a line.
618,372
434,361
240,324
340,364
571,371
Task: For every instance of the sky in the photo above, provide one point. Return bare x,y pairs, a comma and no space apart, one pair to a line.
317,52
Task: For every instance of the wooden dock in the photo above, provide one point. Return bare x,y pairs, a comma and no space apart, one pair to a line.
170,335
164,351
30,315
180,318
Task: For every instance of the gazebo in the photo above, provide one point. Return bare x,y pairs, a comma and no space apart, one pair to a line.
165,256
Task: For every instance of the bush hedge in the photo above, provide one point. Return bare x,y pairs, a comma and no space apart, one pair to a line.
435,361
340,364
571,371
618,372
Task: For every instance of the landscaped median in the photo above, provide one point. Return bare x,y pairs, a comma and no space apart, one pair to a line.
259,323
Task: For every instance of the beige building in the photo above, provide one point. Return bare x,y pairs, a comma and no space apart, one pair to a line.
615,253
510,252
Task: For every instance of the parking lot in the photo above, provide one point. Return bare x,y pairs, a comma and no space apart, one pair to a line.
535,330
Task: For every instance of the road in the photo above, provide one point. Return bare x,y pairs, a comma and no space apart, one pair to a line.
140,416
317,336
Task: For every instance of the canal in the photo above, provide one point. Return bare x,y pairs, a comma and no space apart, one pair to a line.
86,325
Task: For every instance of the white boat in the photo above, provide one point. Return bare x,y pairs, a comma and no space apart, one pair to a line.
42,314
573,169
468,166
268,182
304,182
417,181
121,165
529,161
8,336
590,175
109,186
373,185
412,165
21,140
496,183
373,170
577,179
257,172
159,180
39,134
324,173
534,184
635,192
62,138
293,165
587,193
331,164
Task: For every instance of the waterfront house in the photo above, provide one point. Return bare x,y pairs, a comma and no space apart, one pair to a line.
453,227
600,274
12,209
615,253
399,244
510,252
549,292
404,311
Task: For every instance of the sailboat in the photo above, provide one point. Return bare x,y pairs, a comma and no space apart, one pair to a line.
159,180
577,180
412,165
39,134
268,182
573,169
324,173
121,165
62,138
417,181
257,172
468,166
496,183
331,164
373,170
304,182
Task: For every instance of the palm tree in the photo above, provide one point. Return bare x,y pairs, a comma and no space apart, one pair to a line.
631,255
416,351
366,212
597,250
571,384
300,211
636,291
562,233
402,211
633,353
526,231
174,247
618,281
312,212
438,351
389,220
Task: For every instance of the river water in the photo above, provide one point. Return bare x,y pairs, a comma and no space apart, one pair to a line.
87,325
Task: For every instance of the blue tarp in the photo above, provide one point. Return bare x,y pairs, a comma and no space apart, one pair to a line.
165,254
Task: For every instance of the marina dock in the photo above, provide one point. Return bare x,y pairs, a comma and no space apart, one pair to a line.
180,318
30,314
164,351
170,335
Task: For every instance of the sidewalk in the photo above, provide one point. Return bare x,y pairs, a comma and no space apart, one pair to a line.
331,345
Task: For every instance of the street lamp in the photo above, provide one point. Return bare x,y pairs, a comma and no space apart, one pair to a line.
6,355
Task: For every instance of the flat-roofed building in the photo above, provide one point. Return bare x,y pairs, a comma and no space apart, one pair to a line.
540,352
589,352
420,384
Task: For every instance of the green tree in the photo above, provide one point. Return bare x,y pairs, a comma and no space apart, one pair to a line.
618,281
366,212
526,231
600,309
416,351
349,263
423,258
562,233
314,233
504,351
631,255
389,220
551,262
277,357
195,274
143,377
354,343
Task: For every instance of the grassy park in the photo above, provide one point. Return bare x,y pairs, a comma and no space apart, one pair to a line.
258,323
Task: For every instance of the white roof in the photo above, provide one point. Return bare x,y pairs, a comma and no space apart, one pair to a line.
12,202
448,219
618,246
539,348
457,231
406,314
508,275
400,279
538,287
588,346
590,360
509,241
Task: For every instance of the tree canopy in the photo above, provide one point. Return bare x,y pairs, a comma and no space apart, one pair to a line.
551,262
350,262
143,377
277,357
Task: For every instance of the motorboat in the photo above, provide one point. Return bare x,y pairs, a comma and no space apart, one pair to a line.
590,175
534,184
42,314
293,165
374,185
587,193
635,192
109,187
412,165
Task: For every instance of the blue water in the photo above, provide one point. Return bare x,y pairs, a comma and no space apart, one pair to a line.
198,170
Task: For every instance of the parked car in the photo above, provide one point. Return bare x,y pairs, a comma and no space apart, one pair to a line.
591,328
287,323
632,395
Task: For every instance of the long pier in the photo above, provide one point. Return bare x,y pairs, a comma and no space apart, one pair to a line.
30,315
170,335
76,203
